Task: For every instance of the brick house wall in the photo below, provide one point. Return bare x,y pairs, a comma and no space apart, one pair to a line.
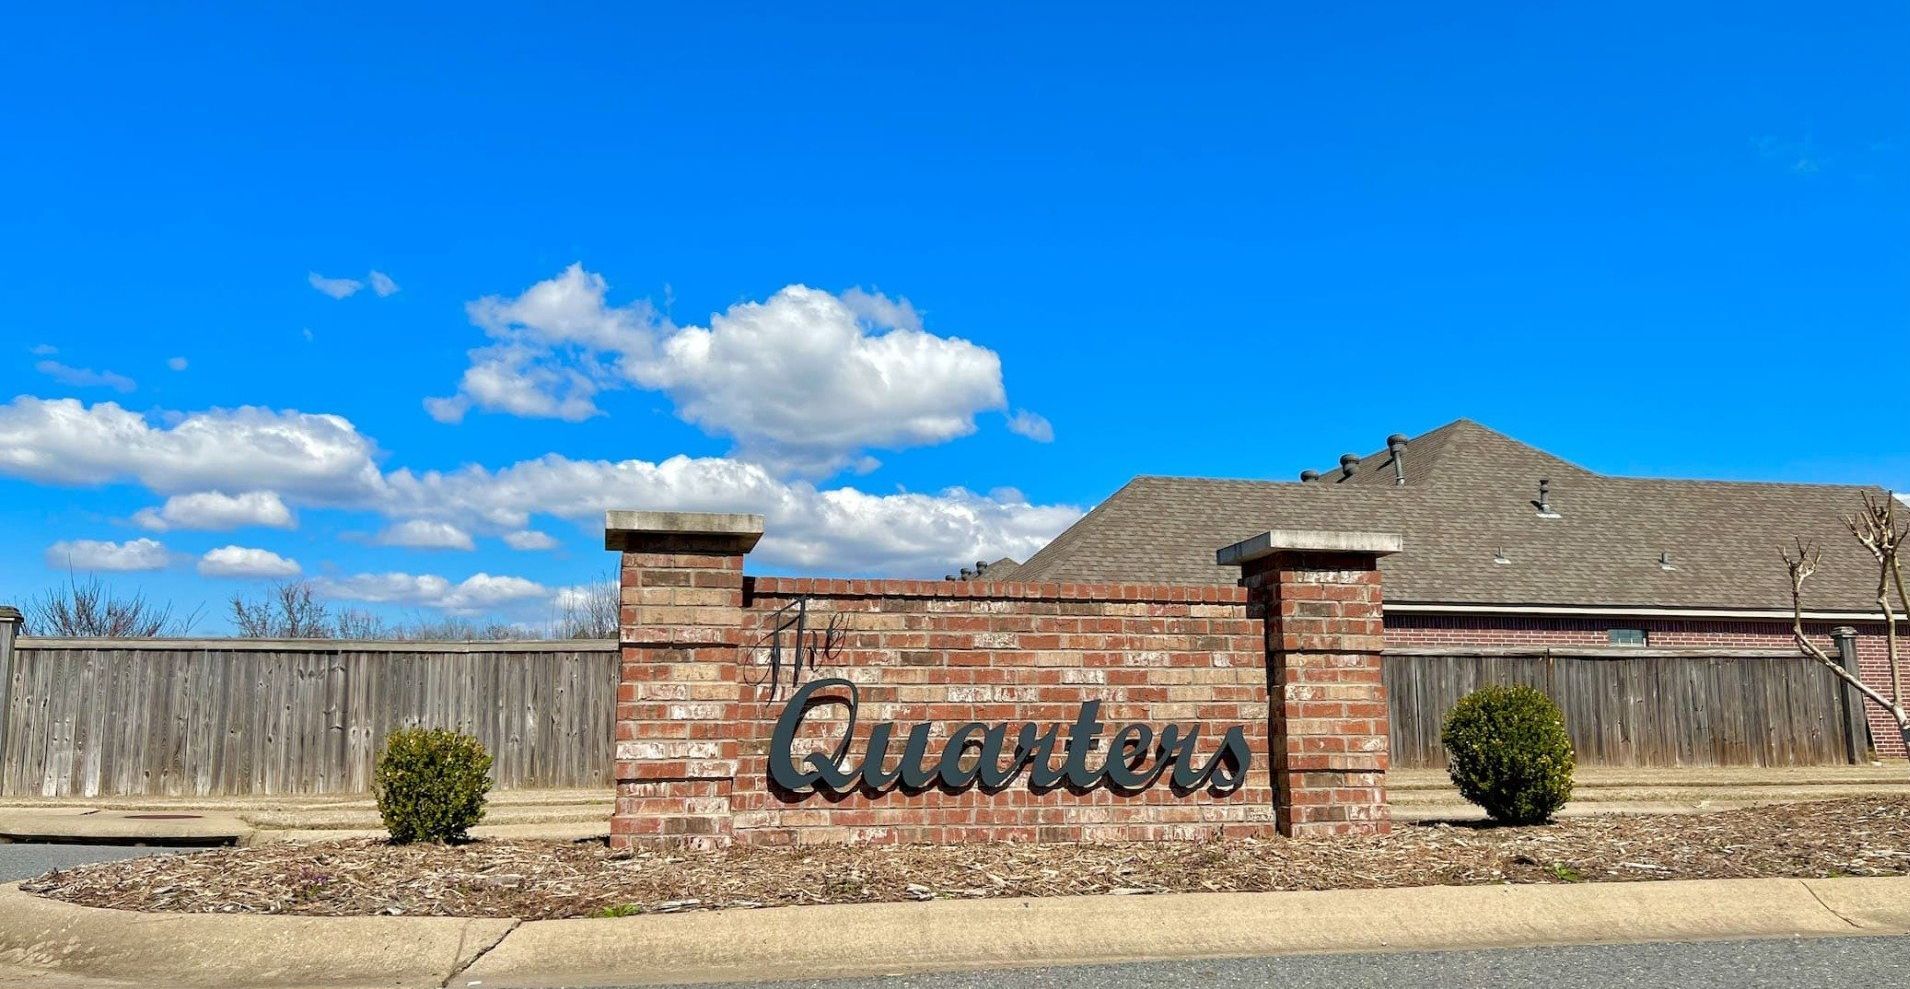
1415,629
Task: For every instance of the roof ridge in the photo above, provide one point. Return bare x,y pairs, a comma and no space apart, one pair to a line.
1480,431
1373,491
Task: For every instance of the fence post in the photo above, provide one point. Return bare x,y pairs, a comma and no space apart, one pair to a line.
1856,721
10,623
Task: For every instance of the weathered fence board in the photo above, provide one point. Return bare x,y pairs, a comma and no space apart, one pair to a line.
1634,707
217,717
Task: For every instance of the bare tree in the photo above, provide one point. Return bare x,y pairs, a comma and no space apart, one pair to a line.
288,610
1876,527
592,611
357,623
454,628
293,610
87,607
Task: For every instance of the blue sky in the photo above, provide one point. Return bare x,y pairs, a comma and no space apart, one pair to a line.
921,285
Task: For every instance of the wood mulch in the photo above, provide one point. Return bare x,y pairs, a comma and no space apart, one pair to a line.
542,879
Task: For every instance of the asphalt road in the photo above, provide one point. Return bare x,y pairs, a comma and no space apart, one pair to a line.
28,859
1829,963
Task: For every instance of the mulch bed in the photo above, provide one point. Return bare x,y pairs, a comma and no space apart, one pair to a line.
543,880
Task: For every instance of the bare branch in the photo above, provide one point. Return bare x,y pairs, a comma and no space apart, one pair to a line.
1876,529
87,607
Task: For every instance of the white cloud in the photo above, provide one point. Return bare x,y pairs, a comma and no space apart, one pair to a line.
243,561
426,534
840,530
216,510
337,288
568,310
802,382
1799,157
323,461
447,409
97,554
546,363
515,380
320,459
576,596
176,363
529,539
43,350
880,310
1032,425
479,592
84,377
382,284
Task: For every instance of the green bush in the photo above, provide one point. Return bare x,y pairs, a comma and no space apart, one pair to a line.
1507,751
431,784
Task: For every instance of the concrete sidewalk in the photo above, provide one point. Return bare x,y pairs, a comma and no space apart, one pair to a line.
46,939
1415,795
562,815
1428,794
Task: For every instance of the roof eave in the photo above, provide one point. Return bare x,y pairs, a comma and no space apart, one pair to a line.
1621,610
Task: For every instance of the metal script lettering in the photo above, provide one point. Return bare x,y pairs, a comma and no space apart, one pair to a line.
1136,759
808,647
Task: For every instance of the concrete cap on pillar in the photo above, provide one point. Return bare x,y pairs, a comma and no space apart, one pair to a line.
709,532
1307,541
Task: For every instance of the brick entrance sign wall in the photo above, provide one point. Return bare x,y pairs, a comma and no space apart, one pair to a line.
712,659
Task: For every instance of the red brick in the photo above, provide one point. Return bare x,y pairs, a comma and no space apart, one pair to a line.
1012,652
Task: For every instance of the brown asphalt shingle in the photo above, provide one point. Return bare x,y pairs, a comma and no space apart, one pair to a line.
1469,494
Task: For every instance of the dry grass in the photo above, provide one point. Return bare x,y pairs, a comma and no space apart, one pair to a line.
540,880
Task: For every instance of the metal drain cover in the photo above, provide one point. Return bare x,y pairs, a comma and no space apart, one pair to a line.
163,817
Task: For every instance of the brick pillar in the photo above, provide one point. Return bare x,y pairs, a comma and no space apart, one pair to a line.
678,687
1319,594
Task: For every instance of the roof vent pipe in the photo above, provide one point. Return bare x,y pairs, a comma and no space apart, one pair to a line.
1349,462
1309,475
1545,500
1397,444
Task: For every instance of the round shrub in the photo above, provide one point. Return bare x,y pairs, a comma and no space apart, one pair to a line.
1507,751
431,783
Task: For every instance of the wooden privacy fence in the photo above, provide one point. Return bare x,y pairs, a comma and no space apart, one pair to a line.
90,717
1627,706
100,717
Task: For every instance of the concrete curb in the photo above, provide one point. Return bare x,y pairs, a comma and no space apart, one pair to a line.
46,939
882,939
42,938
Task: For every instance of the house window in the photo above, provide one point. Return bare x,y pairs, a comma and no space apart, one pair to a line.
1626,636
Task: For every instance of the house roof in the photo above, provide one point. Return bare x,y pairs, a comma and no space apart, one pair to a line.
1470,496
